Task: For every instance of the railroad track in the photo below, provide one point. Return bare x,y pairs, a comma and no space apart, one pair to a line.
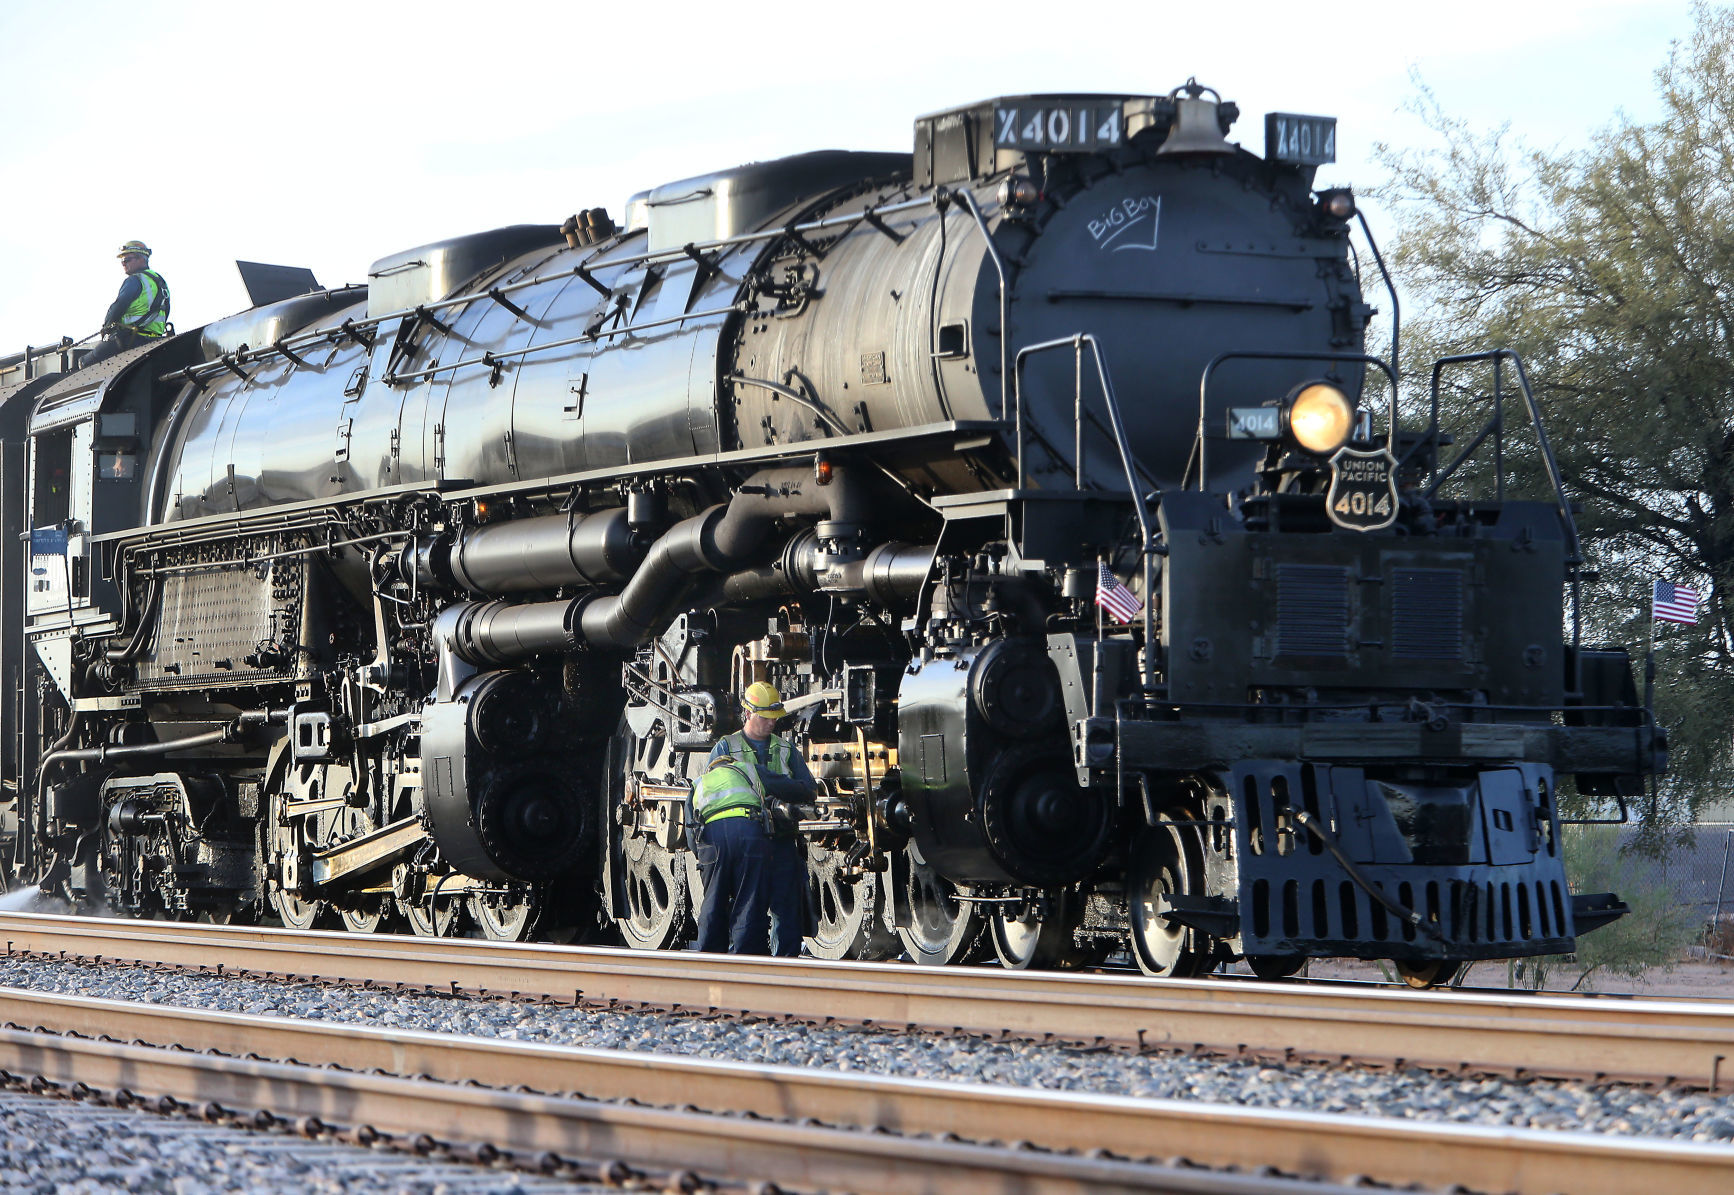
604,1114
1639,1041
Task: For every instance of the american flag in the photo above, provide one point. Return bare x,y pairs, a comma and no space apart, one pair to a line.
1674,603
1114,597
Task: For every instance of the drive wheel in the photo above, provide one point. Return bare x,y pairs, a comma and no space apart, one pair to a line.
288,846
846,914
1025,942
432,916
941,929
361,914
297,913
1165,861
504,916
653,913
227,913
1428,973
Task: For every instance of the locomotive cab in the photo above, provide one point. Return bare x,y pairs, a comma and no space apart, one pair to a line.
89,441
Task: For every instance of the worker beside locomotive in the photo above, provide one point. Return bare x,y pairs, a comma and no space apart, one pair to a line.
865,429
788,788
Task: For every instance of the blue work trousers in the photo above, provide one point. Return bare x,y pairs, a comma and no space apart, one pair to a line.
788,896
734,859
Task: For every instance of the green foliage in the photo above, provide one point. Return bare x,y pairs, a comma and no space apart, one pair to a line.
1611,271
1655,933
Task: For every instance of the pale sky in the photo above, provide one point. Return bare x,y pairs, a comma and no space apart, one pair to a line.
329,135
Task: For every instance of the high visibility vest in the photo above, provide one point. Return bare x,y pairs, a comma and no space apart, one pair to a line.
776,757
728,784
148,315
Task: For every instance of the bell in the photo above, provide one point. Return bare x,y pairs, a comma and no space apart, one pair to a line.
1196,129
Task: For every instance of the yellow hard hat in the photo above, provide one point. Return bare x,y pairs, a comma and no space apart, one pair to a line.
763,699
132,247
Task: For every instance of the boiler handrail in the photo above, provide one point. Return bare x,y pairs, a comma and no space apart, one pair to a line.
1148,548
1257,355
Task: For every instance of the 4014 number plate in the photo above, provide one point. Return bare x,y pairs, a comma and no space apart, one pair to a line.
1073,128
1363,493
1305,140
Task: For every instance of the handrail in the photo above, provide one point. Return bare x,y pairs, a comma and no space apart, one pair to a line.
968,201
1076,343
1251,355
1390,289
1495,427
37,352
582,270
492,360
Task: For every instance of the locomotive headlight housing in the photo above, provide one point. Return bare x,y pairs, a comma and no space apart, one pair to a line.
1319,418
1338,203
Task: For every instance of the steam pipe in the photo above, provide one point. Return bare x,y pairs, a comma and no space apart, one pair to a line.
721,539
630,617
891,574
540,553
494,634
104,753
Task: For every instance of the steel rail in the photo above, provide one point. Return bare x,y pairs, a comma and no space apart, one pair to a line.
611,1118
607,1133
1574,1037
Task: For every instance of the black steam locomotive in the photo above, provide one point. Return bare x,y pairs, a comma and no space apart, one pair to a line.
1031,467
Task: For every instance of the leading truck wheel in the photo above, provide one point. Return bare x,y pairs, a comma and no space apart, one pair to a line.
1432,973
942,929
1276,966
1166,860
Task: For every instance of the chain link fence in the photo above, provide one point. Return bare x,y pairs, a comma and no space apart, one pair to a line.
1699,871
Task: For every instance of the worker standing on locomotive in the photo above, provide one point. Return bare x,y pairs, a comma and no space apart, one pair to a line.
785,784
140,312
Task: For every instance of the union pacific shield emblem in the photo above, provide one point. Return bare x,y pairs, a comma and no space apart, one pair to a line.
1363,493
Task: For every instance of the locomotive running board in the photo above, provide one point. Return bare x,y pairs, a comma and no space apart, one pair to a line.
876,445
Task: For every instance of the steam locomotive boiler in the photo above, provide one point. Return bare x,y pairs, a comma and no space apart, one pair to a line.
1031,466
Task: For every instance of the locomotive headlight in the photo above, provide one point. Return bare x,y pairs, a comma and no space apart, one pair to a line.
1320,418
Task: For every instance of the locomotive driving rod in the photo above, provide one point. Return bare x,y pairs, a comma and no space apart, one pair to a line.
718,540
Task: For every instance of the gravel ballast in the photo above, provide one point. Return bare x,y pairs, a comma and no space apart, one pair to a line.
1408,1094
58,1147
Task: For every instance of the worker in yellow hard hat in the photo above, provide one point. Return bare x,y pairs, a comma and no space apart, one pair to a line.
778,774
734,857
140,313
